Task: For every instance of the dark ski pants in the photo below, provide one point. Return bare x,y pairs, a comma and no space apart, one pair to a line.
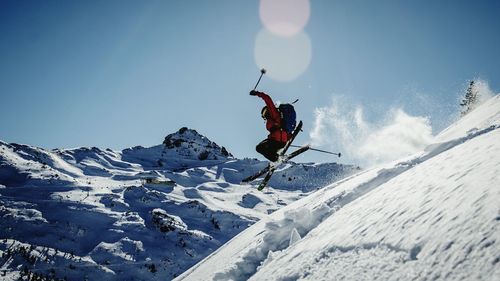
269,148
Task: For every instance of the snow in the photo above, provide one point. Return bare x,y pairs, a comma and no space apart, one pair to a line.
475,120
432,216
123,250
21,213
90,213
459,209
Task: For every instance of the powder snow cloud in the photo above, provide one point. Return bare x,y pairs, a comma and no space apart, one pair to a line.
342,125
396,135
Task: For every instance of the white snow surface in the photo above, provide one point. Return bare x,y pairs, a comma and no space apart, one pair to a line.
432,216
88,213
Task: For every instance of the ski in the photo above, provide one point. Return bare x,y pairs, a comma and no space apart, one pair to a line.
274,166
258,174
298,128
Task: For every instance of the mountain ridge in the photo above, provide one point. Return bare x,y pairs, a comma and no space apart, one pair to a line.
141,213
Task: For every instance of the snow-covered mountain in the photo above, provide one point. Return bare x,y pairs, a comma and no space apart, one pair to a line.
432,216
143,213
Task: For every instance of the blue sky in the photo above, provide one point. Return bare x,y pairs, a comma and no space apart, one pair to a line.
123,73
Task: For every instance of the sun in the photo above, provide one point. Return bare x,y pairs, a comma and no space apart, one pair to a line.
284,17
282,46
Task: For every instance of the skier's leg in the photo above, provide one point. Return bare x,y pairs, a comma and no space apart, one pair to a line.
268,149
275,147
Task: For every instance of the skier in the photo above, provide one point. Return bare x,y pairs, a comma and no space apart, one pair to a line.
277,137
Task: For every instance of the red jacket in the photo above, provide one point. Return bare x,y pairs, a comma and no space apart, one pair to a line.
273,124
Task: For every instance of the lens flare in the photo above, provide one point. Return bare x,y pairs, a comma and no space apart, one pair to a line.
284,17
285,58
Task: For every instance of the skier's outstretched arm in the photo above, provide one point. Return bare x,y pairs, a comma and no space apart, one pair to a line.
269,103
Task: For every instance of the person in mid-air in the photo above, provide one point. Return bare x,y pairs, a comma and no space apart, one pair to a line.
277,137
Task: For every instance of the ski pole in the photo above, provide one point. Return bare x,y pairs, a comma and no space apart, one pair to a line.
319,150
262,72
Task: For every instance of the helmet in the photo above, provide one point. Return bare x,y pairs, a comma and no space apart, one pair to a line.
264,112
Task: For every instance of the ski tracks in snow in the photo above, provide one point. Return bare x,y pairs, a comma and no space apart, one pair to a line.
281,234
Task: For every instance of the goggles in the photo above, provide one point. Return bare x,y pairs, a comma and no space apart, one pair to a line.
264,113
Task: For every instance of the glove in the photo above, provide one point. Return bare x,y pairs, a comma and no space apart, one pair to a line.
253,92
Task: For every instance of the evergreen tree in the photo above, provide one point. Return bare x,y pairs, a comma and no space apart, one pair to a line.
470,100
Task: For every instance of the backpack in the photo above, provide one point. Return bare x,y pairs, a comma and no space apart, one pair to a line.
288,117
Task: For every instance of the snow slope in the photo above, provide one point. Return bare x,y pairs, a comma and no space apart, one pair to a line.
432,216
89,213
